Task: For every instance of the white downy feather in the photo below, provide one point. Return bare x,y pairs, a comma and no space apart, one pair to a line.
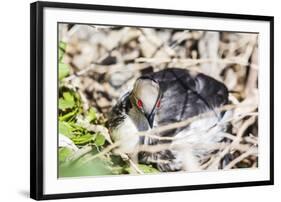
196,142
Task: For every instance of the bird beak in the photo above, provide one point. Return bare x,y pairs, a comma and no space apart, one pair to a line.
150,119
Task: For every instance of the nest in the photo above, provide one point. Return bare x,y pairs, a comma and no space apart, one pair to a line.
105,61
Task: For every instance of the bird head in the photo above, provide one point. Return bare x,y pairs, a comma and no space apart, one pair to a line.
145,97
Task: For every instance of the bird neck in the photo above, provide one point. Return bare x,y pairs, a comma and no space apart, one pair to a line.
139,119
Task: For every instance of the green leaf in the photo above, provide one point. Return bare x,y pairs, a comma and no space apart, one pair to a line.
68,96
61,54
68,115
100,140
91,115
63,70
95,167
83,139
67,102
62,47
143,168
64,153
148,168
65,129
76,126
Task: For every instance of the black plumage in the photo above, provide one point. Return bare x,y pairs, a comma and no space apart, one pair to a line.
182,95
185,95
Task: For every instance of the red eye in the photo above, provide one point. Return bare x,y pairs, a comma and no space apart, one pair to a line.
139,104
158,104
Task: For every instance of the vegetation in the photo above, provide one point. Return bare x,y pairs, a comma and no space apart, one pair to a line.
83,136
98,64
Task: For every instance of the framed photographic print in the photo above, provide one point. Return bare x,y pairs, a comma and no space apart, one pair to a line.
134,100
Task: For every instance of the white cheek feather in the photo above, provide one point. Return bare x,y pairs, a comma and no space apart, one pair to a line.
126,134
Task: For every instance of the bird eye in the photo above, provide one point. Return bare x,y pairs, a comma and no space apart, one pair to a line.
139,104
158,104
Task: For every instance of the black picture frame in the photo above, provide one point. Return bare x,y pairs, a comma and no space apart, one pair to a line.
37,99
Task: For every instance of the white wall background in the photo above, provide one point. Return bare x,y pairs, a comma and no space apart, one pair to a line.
14,100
